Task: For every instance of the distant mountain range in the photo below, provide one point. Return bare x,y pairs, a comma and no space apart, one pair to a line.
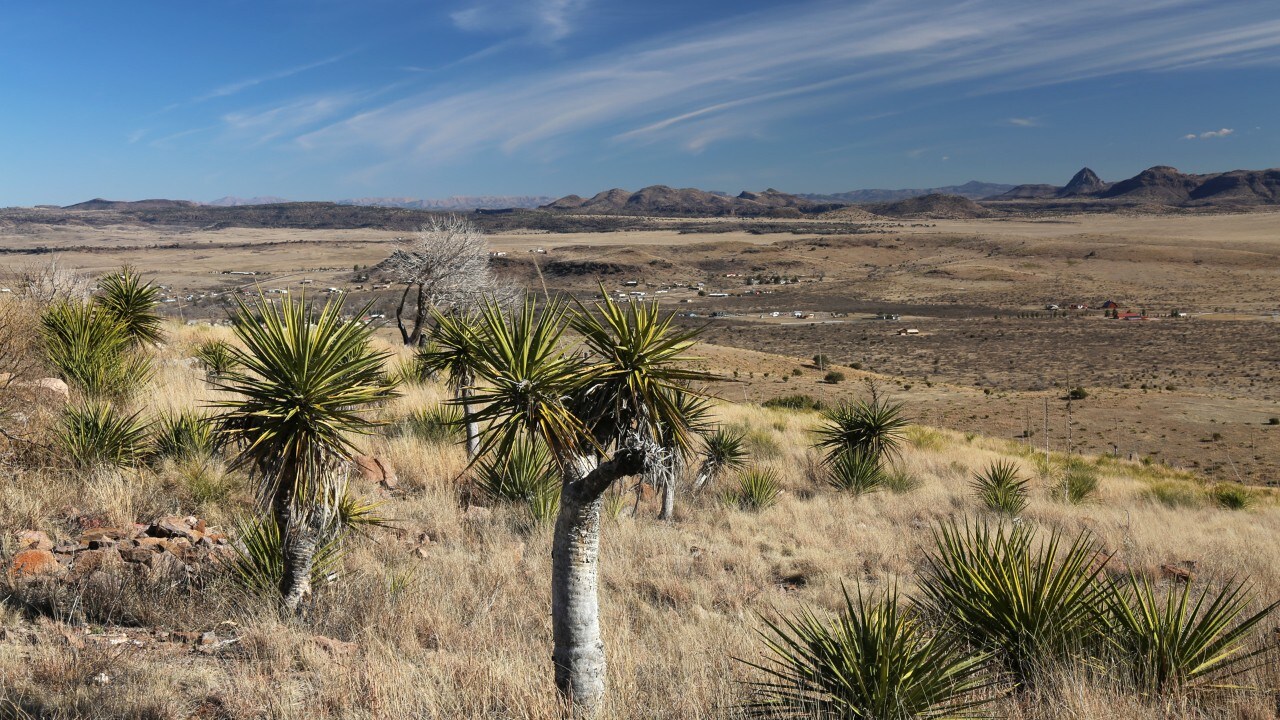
974,190
456,202
691,202
232,201
157,204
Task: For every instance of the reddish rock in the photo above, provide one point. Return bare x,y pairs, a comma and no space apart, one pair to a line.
34,540
171,526
91,561
1176,574
103,536
31,564
376,470
154,544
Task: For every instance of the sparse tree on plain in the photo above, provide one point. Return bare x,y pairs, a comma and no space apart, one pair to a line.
444,267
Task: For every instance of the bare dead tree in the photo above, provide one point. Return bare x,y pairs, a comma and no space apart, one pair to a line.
53,281
445,266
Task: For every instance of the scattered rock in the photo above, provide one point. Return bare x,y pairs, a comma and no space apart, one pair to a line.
53,386
1176,573
32,564
376,470
34,540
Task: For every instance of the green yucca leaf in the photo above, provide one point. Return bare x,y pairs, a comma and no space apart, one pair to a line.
216,356
258,563
1188,637
185,435
1001,489
525,474
856,472
132,303
875,661
452,349
1031,604
725,448
92,350
97,434
875,428
758,489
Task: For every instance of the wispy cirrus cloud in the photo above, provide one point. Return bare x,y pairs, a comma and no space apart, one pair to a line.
1023,122
544,21
1209,134
238,86
740,78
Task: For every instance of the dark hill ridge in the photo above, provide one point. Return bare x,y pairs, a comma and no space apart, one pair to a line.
157,204
974,190
688,202
936,206
1162,185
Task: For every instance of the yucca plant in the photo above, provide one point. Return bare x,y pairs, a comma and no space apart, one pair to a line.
96,433
758,489
856,472
185,435
1001,489
668,471
92,350
525,475
258,565
1030,604
1232,496
132,303
216,357
599,411
873,427
1184,639
439,424
723,449
452,352
301,382
875,661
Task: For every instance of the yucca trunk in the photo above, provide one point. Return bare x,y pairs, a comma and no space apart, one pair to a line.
298,541
705,472
671,470
575,604
473,427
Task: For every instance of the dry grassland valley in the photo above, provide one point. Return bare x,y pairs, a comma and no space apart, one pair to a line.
665,454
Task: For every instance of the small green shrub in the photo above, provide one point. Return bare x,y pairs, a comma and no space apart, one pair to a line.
833,377
216,357
924,438
1079,484
132,303
1001,489
440,424
900,482
97,434
793,402
186,435
92,350
1232,496
1077,393
1176,494
1273,421
758,489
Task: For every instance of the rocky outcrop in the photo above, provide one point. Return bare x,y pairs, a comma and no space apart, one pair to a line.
1084,182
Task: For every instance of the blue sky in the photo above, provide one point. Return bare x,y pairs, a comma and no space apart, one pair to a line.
329,99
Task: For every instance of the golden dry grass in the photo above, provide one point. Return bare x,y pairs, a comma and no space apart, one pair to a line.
448,610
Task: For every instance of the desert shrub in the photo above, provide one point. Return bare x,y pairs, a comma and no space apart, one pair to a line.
794,402
874,661
438,424
873,427
1188,636
1001,489
184,435
856,472
1077,393
762,444
1273,421
758,489
900,482
1232,496
205,481
924,438
1079,484
92,350
833,377
524,475
1033,605
216,357
132,303
95,433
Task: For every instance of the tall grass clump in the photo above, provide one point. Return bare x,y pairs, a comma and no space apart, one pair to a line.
857,473
1033,605
1079,484
1187,637
132,303
1232,496
92,350
96,433
876,660
1001,489
758,489
439,424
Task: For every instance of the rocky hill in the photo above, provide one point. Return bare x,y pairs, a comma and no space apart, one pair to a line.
689,202
1160,186
454,202
936,206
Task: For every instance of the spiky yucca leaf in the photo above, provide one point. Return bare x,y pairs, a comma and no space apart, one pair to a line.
527,474
258,563
185,435
856,472
452,350
758,489
724,448
132,303
874,427
1184,639
1001,489
875,661
216,356
96,433
92,350
1031,604
436,424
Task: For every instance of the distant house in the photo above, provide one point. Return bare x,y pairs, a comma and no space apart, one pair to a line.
1110,305
908,331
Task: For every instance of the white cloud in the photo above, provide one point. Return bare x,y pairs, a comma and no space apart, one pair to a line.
741,77
544,21
1209,134
1024,122
242,85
